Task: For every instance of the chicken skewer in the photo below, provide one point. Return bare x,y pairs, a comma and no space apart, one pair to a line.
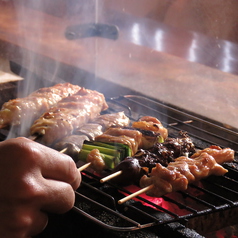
31,107
142,134
151,124
162,153
179,174
71,113
92,129
108,149
72,144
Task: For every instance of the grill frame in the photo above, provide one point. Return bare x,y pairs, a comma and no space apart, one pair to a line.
204,132
97,202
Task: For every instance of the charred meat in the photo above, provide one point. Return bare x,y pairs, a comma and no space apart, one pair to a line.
89,131
102,123
178,174
71,113
166,152
17,110
118,119
220,155
151,124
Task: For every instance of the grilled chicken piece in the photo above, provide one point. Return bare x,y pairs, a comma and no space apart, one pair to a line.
71,113
76,140
126,140
219,154
96,160
101,123
152,124
88,132
30,108
149,138
118,119
136,138
132,138
91,130
177,175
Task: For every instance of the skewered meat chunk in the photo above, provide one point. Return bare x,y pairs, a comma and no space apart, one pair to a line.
182,145
117,131
132,138
30,108
91,130
165,152
118,119
219,154
149,138
96,160
177,175
126,140
152,124
103,122
71,113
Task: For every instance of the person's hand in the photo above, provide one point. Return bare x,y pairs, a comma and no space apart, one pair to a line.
34,180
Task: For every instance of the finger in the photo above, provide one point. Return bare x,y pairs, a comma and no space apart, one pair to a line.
39,221
53,164
59,197
57,166
24,221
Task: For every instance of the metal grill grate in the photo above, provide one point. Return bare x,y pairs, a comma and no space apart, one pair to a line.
215,197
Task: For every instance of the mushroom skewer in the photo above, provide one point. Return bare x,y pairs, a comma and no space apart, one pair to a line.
126,173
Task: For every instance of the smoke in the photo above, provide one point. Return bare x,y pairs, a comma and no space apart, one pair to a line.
40,33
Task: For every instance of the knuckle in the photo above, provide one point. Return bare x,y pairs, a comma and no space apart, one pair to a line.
29,189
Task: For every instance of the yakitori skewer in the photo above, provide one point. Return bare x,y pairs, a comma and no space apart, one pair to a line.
183,171
133,195
85,166
70,114
131,168
27,109
80,142
111,176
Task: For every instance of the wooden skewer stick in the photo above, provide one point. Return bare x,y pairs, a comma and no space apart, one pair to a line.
143,190
81,168
33,137
63,150
103,180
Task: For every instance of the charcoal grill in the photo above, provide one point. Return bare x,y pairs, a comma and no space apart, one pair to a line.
210,205
205,207
148,56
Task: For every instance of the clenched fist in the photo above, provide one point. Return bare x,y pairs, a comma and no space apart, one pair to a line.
34,180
